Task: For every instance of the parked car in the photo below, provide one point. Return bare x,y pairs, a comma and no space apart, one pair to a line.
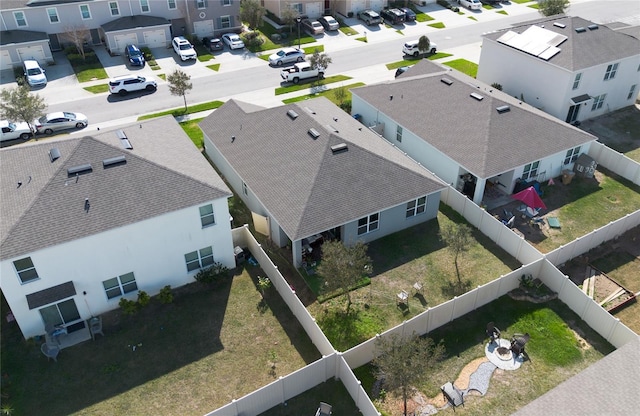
214,44
183,48
392,16
233,41
411,48
471,4
286,56
410,15
370,17
127,83
134,55
60,120
490,2
33,73
312,27
12,131
329,23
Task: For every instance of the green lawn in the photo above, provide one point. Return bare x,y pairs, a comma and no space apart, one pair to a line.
413,61
331,391
303,85
329,93
180,111
464,66
438,25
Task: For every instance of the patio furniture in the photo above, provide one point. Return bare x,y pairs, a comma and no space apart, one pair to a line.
402,298
452,394
554,222
50,350
324,409
518,341
510,222
492,332
417,286
95,327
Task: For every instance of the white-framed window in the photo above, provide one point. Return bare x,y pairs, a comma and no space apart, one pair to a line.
245,190
199,259
120,285
21,19
530,170
368,224
632,91
206,215
576,80
52,12
227,2
113,7
417,206
171,4
399,133
144,6
201,4
61,313
225,22
297,7
571,155
611,71
598,102
26,270
85,13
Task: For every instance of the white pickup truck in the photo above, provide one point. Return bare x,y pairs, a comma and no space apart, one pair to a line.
301,71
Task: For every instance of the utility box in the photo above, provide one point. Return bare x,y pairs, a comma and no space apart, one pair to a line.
585,166
567,176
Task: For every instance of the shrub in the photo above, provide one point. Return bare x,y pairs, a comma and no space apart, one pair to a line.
128,307
143,298
212,274
165,296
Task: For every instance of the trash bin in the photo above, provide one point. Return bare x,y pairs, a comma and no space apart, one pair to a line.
567,176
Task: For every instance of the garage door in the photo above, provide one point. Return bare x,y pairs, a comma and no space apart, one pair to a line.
204,28
155,39
5,60
121,41
358,6
313,10
377,5
32,52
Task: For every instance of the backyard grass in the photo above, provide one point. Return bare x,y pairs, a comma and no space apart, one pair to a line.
196,108
194,132
464,66
331,391
305,84
211,345
561,345
329,93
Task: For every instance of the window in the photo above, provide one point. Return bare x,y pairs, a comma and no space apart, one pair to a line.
61,313
84,12
576,81
199,259
244,189
227,2
21,19
632,90
399,133
171,4
598,102
416,207
297,7
530,170
144,6
571,155
113,6
26,270
368,224
225,21
201,4
120,285
53,15
611,71
206,215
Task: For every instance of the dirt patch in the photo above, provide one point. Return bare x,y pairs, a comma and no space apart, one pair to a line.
462,382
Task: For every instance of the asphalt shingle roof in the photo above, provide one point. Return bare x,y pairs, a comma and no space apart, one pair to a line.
9,37
471,132
582,50
163,173
132,22
306,187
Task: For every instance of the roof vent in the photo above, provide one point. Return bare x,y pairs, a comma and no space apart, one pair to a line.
54,154
124,140
593,27
560,25
476,96
446,81
339,148
580,29
292,114
76,170
114,161
503,109
313,133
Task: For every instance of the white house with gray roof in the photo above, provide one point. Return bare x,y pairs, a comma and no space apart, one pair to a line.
310,169
469,134
566,66
89,220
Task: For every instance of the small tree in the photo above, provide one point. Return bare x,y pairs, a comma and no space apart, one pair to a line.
340,93
551,7
264,283
252,12
424,44
404,363
319,60
77,35
343,267
457,237
179,84
288,16
18,104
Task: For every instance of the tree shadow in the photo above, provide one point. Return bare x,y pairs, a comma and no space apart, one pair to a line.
452,289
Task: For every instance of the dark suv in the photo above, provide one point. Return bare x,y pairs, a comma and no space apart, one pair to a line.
393,16
134,55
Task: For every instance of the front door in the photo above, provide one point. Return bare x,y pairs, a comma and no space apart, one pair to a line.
572,115
62,313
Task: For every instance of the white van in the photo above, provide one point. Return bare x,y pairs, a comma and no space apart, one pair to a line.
411,48
33,73
471,4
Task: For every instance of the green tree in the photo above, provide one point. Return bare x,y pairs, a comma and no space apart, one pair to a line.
458,238
18,104
551,7
179,84
319,60
424,44
343,267
252,12
405,362
78,35
288,16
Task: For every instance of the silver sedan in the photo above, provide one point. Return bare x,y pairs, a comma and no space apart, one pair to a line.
51,122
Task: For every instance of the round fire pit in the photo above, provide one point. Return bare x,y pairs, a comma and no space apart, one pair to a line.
503,353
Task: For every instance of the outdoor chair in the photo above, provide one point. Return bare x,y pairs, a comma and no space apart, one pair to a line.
324,409
50,351
452,394
492,332
417,287
95,326
518,341
402,298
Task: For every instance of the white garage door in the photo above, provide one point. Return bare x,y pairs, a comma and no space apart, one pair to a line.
155,39
203,29
377,5
358,6
313,10
32,52
121,41
5,60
